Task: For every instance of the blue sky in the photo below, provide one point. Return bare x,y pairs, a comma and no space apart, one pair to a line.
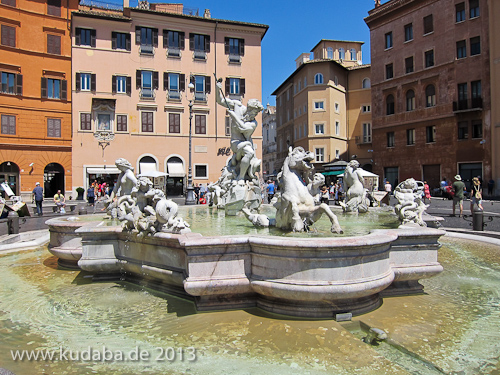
295,27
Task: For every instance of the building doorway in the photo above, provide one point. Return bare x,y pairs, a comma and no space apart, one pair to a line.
53,179
176,176
9,173
392,175
432,174
469,170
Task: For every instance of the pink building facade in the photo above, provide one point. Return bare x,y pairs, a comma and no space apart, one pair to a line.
132,73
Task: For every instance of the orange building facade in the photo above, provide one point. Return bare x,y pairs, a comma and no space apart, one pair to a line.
35,95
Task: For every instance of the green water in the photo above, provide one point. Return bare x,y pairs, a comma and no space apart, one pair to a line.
454,326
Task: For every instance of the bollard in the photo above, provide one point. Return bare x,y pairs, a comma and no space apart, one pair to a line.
477,220
13,222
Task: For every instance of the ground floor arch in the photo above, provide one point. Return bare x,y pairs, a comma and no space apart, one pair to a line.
9,173
53,179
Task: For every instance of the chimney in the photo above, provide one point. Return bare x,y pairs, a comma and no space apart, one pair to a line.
304,57
126,4
207,14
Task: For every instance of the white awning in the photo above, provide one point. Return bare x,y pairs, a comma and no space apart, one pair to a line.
176,170
152,174
147,167
111,170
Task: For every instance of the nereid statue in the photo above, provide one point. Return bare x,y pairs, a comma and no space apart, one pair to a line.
410,206
356,199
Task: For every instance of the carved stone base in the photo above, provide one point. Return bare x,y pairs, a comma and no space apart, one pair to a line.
242,194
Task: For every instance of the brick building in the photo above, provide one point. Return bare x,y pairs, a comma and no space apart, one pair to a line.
431,109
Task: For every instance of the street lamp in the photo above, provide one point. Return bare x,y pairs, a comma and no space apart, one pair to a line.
190,197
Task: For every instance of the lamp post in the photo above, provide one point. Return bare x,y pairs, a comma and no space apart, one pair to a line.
190,197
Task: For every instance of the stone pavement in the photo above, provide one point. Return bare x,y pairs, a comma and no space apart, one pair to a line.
439,207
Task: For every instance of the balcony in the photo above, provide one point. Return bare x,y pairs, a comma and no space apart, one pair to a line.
147,94
146,49
200,97
200,55
174,95
173,52
366,139
234,59
473,104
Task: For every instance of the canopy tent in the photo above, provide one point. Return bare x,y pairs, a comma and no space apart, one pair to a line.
332,173
152,174
107,170
147,167
176,170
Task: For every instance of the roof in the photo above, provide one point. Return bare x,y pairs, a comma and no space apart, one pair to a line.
356,67
110,15
335,40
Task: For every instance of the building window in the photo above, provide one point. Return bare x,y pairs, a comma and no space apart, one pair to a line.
11,3
305,82
202,86
477,129
409,65
147,122
319,105
366,83
121,123
235,48
174,123
366,108
460,12
54,7
236,86
389,71
54,127
430,96
8,36
319,128
8,124
53,44
461,49
337,108
85,121
474,8
475,46
121,85
54,88
388,40
319,155
389,101
329,53
353,54
11,83
318,79
429,58
227,126
430,134
147,82
174,41
85,37
200,124
428,24
390,139
174,83
120,41
462,94
337,154
408,32
341,54
200,45
367,132
200,171
337,128
85,82
463,130
410,137
147,39
476,96
410,100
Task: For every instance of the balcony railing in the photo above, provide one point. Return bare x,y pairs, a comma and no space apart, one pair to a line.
468,104
235,59
174,95
147,94
200,55
200,97
363,140
147,49
173,52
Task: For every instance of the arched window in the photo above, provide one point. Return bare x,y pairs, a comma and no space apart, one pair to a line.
318,79
9,173
389,101
367,83
336,80
147,164
353,54
329,53
341,54
430,96
410,100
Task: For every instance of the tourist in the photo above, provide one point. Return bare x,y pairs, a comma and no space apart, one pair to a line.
388,187
325,195
203,191
458,188
59,200
270,191
476,195
91,195
332,190
427,192
38,198
197,193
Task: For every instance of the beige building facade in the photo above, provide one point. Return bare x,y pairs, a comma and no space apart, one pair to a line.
323,104
132,75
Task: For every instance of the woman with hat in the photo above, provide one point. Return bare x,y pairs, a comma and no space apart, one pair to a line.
476,195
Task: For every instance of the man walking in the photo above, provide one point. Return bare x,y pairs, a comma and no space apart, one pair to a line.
458,188
38,198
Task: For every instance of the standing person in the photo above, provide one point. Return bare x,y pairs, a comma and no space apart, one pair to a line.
91,195
38,198
427,192
491,185
458,187
270,191
388,187
325,195
60,201
476,195
332,190
197,193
